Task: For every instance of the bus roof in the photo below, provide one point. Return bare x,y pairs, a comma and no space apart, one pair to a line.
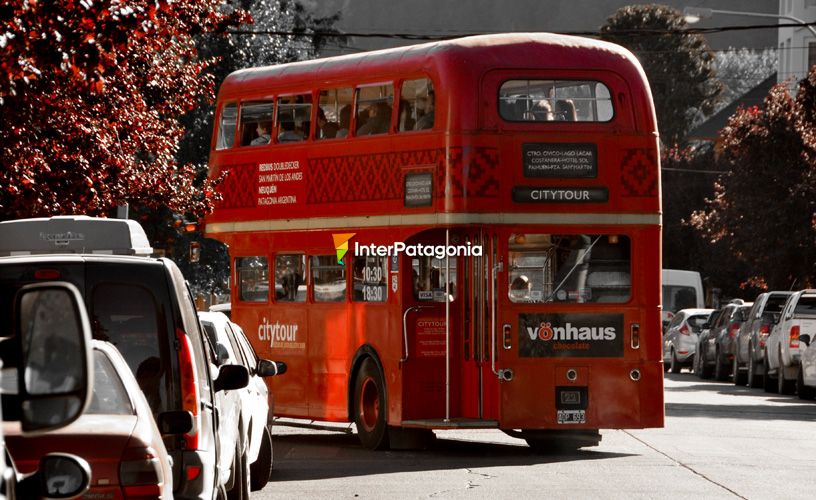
475,53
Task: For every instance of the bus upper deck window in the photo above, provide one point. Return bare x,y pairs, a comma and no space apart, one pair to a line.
333,113
294,117
226,126
374,104
555,100
416,107
256,123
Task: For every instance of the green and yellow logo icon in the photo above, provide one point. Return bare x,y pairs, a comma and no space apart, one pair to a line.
341,243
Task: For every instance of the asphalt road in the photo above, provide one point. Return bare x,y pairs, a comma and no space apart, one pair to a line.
720,441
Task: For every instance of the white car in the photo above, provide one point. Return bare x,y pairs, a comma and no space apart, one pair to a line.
680,339
249,418
783,349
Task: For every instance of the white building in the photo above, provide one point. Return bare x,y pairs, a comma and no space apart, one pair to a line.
797,46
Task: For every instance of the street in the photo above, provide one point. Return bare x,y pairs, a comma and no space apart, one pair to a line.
719,441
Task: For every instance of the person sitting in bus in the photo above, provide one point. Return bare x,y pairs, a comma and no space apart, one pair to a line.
345,121
325,128
520,288
426,121
379,119
288,132
542,111
262,129
565,110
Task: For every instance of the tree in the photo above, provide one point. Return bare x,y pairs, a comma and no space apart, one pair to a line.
740,70
679,66
90,95
764,209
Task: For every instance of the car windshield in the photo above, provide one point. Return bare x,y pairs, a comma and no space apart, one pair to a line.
109,394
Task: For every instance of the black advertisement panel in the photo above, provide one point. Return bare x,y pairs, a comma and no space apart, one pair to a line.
570,335
419,189
560,160
532,194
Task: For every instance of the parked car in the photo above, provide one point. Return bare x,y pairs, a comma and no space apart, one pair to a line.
783,349
680,339
142,306
711,362
116,435
806,382
698,351
753,334
726,342
39,317
251,415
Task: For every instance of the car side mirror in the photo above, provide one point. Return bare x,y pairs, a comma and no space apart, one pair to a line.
55,373
175,422
268,368
59,475
805,339
221,354
231,377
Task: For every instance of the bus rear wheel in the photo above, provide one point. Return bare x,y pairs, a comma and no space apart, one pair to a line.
369,406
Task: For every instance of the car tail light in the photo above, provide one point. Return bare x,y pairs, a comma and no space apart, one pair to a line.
684,329
140,474
189,387
193,471
764,331
794,337
732,331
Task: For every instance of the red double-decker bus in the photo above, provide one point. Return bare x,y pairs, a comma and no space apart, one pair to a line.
461,234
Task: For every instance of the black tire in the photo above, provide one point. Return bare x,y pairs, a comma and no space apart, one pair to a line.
804,391
370,406
261,468
706,370
740,377
666,367
675,366
720,367
785,386
754,379
240,488
768,383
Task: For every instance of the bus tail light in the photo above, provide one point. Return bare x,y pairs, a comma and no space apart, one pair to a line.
189,387
684,329
794,337
140,474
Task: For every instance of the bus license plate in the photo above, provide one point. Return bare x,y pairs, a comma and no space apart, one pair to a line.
571,416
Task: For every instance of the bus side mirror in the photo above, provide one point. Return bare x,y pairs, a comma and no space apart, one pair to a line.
55,373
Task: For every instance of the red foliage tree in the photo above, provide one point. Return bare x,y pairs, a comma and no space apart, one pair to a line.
90,96
764,209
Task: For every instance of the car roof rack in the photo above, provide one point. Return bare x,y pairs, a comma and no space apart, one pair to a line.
73,234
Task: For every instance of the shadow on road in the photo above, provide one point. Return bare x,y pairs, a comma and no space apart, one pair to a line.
301,457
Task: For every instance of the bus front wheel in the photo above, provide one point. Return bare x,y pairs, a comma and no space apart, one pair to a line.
369,406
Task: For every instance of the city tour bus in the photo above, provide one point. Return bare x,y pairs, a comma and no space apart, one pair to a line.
455,235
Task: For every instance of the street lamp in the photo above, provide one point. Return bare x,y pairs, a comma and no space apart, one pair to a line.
695,14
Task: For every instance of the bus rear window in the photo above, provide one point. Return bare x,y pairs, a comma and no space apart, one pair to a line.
555,100
226,126
574,268
253,279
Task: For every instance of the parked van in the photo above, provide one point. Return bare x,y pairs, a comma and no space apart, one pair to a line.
141,305
681,290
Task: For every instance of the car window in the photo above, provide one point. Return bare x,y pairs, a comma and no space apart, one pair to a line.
676,320
697,321
806,306
775,303
724,315
742,313
249,352
212,338
239,356
109,394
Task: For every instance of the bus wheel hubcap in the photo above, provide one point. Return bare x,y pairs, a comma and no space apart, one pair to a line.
369,404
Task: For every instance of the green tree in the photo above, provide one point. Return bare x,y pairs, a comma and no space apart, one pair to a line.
680,66
764,209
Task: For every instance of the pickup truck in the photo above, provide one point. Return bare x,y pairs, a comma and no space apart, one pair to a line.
783,349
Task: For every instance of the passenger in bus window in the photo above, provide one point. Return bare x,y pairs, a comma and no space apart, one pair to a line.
542,111
426,121
262,129
379,119
345,121
288,132
565,110
520,288
326,129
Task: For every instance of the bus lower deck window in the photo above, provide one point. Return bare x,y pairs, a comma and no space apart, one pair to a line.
253,279
290,274
329,279
368,279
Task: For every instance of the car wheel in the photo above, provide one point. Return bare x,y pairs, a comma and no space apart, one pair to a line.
675,364
786,386
261,468
768,383
706,370
720,367
240,488
804,391
739,377
753,377
369,406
